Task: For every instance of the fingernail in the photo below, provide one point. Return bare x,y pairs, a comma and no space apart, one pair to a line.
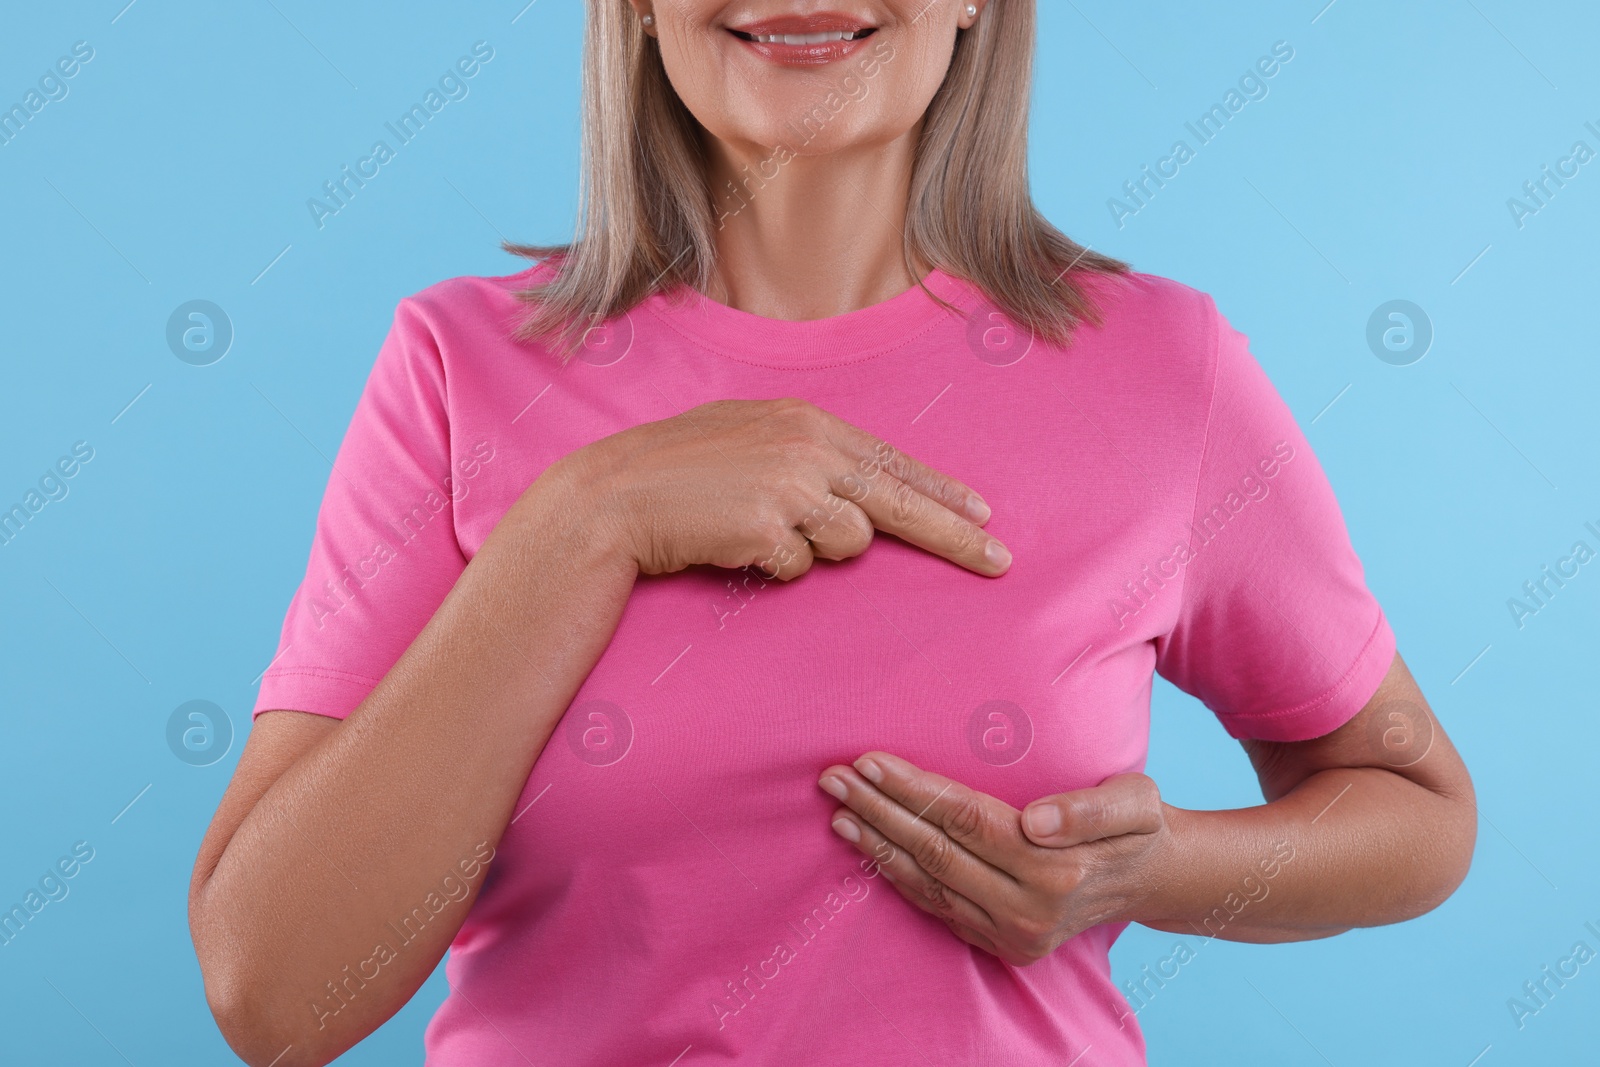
869,770
835,786
887,877
1043,820
978,509
847,830
996,554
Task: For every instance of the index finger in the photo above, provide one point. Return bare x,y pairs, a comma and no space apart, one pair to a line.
918,504
895,507
984,825
873,454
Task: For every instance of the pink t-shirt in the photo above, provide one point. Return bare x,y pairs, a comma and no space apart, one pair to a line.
675,888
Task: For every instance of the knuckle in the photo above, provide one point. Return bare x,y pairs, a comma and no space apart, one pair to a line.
1083,817
854,488
1032,937
853,523
885,457
801,565
1062,881
774,521
858,531
938,898
1149,793
967,540
799,415
880,811
903,504
1034,953
934,854
814,518
965,820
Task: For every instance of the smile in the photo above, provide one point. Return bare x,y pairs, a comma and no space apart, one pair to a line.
803,40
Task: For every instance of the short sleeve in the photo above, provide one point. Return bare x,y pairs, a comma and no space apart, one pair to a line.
385,552
1277,632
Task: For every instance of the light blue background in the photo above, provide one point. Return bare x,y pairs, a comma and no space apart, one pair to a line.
1378,168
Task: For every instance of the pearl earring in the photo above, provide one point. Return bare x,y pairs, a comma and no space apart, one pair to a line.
972,11
648,21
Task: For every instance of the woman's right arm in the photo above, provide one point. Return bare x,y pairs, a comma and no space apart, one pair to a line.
331,830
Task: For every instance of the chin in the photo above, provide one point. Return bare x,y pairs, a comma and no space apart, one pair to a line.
794,129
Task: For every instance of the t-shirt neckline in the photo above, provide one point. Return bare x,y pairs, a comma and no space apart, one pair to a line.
849,338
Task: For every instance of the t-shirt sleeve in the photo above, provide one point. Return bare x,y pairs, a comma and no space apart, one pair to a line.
1277,632
385,551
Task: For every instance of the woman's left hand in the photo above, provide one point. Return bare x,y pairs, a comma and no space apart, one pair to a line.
1013,883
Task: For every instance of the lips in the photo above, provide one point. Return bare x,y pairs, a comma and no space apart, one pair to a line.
803,40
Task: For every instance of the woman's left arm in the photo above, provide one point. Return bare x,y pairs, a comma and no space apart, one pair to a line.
1373,823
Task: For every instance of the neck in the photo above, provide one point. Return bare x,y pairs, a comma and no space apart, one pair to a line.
822,237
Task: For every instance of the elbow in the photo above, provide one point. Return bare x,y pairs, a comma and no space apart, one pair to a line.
233,1006
1457,861
255,1014
261,1034
1447,857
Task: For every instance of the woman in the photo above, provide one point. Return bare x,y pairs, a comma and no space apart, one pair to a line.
566,690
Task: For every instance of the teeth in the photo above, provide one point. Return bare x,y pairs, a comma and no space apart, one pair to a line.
804,38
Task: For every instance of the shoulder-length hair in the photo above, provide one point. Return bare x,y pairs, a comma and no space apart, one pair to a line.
646,218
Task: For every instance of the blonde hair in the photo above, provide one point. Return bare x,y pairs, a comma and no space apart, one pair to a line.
646,219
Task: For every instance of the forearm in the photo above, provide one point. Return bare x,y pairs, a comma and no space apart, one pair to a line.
424,773
1347,847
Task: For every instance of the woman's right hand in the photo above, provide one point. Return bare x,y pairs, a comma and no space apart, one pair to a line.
774,484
